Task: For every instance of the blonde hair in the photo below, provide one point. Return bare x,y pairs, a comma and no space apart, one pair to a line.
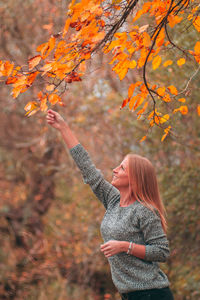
143,185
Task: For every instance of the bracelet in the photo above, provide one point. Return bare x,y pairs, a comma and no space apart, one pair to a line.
129,248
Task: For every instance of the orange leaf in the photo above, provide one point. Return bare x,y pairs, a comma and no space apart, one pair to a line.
142,110
34,61
182,109
168,63
53,99
42,48
133,100
173,90
181,61
124,103
131,90
156,62
161,37
82,67
146,39
46,48
6,68
166,130
11,80
43,104
143,138
198,109
50,87
31,78
139,101
161,91
166,98
173,20
196,23
67,23
181,100
197,48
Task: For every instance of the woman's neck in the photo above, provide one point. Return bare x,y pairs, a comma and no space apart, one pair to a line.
125,199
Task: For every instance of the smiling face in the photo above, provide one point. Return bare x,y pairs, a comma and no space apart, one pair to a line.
120,175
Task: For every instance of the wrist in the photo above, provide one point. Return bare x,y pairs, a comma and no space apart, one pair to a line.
63,127
125,246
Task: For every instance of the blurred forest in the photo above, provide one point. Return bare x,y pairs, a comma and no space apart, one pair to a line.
49,220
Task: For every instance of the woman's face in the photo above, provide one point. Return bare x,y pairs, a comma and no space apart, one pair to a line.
120,175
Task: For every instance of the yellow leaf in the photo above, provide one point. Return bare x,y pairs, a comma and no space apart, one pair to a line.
167,63
132,64
156,62
164,119
173,90
31,108
181,61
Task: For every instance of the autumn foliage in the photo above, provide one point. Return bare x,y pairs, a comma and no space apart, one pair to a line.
94,26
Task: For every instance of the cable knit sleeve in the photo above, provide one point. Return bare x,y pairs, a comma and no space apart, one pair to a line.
104,191
157,245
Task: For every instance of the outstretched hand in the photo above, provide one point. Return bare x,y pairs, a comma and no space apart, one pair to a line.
54,119
111,248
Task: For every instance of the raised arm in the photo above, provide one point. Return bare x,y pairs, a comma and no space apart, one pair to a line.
56,121
104,191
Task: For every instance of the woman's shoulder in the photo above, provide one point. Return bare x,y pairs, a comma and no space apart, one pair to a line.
144,211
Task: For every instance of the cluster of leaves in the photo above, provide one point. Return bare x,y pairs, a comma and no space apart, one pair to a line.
95,25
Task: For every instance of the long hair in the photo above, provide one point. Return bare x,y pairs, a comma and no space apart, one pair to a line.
143,185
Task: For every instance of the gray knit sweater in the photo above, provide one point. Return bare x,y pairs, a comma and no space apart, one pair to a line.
134,223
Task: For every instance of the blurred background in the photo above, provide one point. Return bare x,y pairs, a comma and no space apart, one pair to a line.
49,220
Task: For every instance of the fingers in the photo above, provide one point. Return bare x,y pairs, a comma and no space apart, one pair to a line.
105,247
50,118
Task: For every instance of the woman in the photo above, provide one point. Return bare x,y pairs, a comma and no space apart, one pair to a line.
133,227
